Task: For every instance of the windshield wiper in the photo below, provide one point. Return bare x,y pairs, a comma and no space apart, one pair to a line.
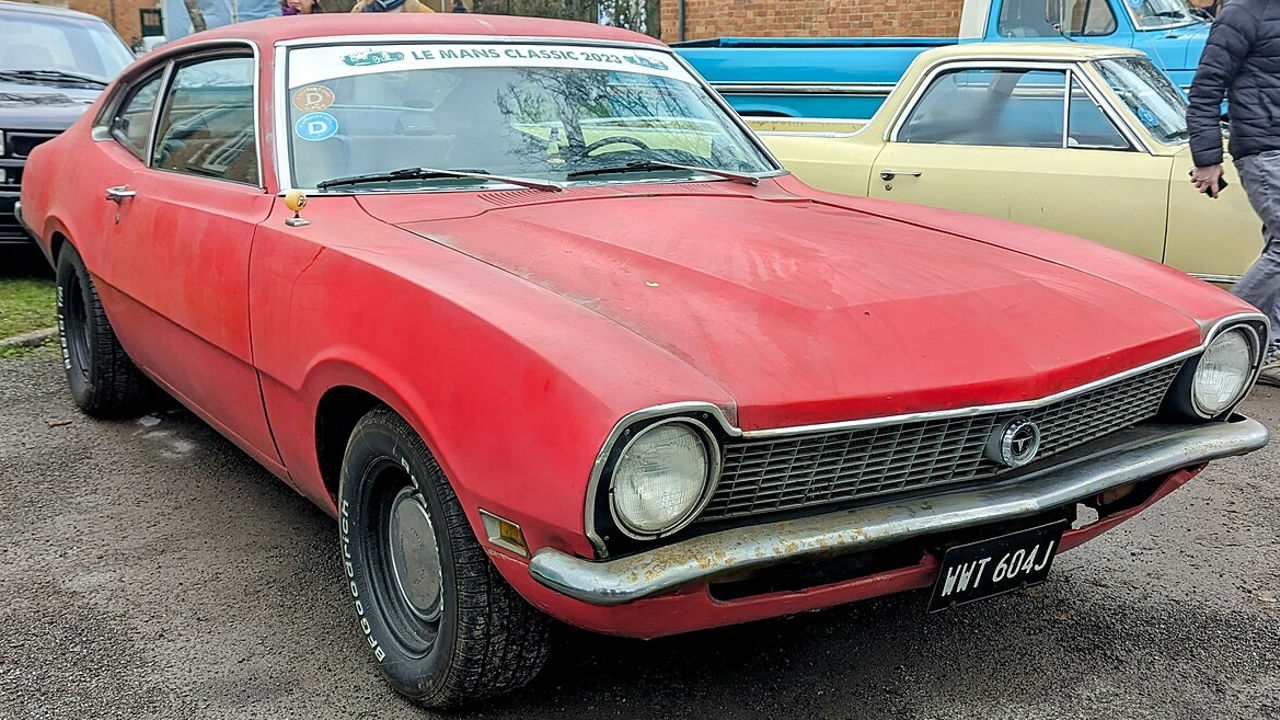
50,75
425,173
644,165
1175,14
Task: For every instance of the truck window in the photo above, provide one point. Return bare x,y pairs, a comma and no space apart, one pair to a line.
1051,18
1003,108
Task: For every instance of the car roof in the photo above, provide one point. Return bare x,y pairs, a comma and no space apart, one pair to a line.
32,8
1068,51
358,26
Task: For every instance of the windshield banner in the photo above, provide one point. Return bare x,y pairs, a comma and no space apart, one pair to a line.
313,64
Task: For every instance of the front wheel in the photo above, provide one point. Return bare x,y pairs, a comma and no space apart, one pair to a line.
442,623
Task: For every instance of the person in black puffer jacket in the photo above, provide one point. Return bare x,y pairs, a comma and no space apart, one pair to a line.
1241,62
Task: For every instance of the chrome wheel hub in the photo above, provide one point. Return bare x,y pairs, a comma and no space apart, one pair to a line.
415,555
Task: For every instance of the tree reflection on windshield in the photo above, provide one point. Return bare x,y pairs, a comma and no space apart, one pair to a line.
535,122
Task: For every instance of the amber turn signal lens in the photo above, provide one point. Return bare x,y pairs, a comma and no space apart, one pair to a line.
504,533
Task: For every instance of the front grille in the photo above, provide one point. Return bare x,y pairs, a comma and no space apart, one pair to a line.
10,229
772,475
15,147
21,143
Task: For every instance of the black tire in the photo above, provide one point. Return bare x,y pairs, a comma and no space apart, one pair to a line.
484,639
104,381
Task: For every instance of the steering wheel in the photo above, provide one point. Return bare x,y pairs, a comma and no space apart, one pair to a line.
613,140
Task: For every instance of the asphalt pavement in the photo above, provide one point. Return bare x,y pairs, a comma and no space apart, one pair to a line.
153,570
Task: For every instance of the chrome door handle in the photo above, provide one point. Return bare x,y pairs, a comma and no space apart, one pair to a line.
118,193
887,175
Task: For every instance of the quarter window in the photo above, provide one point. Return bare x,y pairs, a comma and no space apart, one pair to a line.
207,125
131,125
1088,126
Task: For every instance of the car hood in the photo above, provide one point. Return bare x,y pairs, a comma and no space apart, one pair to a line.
808,312
28,106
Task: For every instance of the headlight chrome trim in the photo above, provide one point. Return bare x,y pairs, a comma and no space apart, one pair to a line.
715,462
1256,356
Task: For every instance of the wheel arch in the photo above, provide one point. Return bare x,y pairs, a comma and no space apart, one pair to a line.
337,412
59,237
344,393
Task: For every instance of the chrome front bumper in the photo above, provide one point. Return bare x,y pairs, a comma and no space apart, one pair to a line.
1133,455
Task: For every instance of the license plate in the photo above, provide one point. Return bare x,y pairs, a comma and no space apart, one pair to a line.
993,567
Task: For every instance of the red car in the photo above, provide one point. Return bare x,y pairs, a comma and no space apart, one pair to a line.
556,336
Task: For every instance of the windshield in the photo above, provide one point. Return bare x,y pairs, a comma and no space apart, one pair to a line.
1150,95
540,112
41,42
1158,14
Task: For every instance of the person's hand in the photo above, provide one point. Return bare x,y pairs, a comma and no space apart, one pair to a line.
1206,179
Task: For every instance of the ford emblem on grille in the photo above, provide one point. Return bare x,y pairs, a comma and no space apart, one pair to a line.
1015,444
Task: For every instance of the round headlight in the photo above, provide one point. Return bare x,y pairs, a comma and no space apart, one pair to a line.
661,478
1222,375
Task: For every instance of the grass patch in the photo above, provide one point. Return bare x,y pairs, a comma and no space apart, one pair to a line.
26,304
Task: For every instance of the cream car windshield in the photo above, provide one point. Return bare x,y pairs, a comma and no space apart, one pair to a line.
1149,94
558,113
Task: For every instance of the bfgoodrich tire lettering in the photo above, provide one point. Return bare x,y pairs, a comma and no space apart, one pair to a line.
474,637
104,381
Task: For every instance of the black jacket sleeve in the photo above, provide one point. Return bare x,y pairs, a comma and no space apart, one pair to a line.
1230,40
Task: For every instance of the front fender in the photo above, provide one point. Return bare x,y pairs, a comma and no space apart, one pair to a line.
514,389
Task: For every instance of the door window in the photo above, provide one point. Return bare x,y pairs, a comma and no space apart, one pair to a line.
1004,108
1009,108
131,126
207,125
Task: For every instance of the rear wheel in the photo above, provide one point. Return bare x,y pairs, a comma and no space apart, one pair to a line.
442,623
104,381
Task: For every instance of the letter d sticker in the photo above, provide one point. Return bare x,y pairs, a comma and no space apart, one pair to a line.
316,126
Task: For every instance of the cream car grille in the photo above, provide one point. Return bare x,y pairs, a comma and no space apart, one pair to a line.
778,474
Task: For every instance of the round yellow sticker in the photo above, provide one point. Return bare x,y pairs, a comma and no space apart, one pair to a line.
312,98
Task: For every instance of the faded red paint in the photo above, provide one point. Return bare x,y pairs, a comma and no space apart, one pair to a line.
514,330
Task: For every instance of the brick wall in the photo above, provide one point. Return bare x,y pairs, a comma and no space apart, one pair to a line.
811,18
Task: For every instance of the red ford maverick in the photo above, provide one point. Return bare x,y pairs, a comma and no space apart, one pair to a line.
530,312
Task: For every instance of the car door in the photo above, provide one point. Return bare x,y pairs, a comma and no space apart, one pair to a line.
178,253
1030,144
1216,240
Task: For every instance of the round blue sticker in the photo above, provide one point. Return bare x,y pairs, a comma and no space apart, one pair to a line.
316,126
1147,117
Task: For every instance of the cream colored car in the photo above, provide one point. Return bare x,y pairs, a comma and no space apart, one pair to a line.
1085,139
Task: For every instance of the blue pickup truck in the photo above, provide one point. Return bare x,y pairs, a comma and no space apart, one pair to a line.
850,77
